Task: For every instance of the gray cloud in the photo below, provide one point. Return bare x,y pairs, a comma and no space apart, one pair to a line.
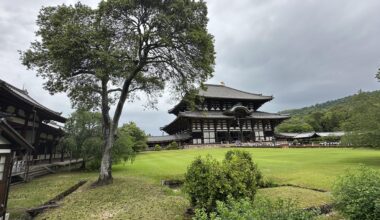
302,52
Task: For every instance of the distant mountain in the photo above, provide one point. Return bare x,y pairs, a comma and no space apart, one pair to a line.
330,115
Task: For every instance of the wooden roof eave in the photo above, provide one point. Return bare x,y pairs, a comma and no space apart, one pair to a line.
44,110
14,135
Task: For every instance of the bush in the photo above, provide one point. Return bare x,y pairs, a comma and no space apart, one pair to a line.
208,181
173,146
205,183
241,173
261,210
357,194
157,147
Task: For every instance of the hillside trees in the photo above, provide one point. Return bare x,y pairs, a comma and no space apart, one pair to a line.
342,114
110,55
363,128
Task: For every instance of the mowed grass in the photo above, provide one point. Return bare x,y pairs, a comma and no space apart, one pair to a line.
39,191
137,193
313,168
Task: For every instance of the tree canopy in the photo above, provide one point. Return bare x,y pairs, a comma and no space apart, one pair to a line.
83,138
112,54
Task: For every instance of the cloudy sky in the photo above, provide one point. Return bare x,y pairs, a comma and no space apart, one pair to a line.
300,51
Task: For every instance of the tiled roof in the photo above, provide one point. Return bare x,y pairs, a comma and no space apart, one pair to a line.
23,95
221,91
218,114
168,138
311,134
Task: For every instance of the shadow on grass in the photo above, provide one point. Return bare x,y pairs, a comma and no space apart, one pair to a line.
368,161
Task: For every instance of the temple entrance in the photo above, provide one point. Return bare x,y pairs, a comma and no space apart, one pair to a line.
248,136
222,137
235,136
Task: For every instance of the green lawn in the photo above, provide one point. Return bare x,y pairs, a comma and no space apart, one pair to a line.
316,168
137,194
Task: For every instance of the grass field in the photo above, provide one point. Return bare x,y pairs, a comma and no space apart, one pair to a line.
315,168
137,194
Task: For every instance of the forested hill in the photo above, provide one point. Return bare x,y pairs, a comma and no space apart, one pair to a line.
333,115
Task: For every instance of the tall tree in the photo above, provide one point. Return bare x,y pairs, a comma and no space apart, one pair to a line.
109,55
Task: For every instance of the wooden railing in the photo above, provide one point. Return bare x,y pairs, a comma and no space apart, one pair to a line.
19,166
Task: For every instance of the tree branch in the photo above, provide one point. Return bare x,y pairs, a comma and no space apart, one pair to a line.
115,90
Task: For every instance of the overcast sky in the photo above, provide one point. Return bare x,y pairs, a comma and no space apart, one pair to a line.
302,52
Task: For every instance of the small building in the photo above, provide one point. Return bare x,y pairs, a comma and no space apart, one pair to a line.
11,144
221,115
310,138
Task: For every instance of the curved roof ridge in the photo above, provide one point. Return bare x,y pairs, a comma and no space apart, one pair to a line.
250,93
22,94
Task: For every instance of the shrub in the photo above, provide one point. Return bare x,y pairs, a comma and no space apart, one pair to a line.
172,146
205,183
157,147
242,174
208,181
261,210
357,194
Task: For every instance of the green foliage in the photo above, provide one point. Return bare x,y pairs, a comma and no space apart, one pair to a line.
241,173
157,147
173,146
88,53
113,53
263,209
357,194
92,152
208,181
137,136
205,183
346,114
294,125
83,137
363,128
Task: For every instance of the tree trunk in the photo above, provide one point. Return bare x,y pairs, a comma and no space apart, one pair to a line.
109,132
105,175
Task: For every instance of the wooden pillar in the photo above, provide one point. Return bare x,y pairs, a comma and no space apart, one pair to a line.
215,130
52,146
202,139
228,131
253,130
241,130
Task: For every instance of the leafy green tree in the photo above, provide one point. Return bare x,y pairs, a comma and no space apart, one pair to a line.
109,55
137,136
81,128
84,138
294,125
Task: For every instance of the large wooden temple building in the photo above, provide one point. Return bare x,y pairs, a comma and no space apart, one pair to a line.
36,124
221,115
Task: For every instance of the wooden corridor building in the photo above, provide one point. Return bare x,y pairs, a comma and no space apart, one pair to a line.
35,123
